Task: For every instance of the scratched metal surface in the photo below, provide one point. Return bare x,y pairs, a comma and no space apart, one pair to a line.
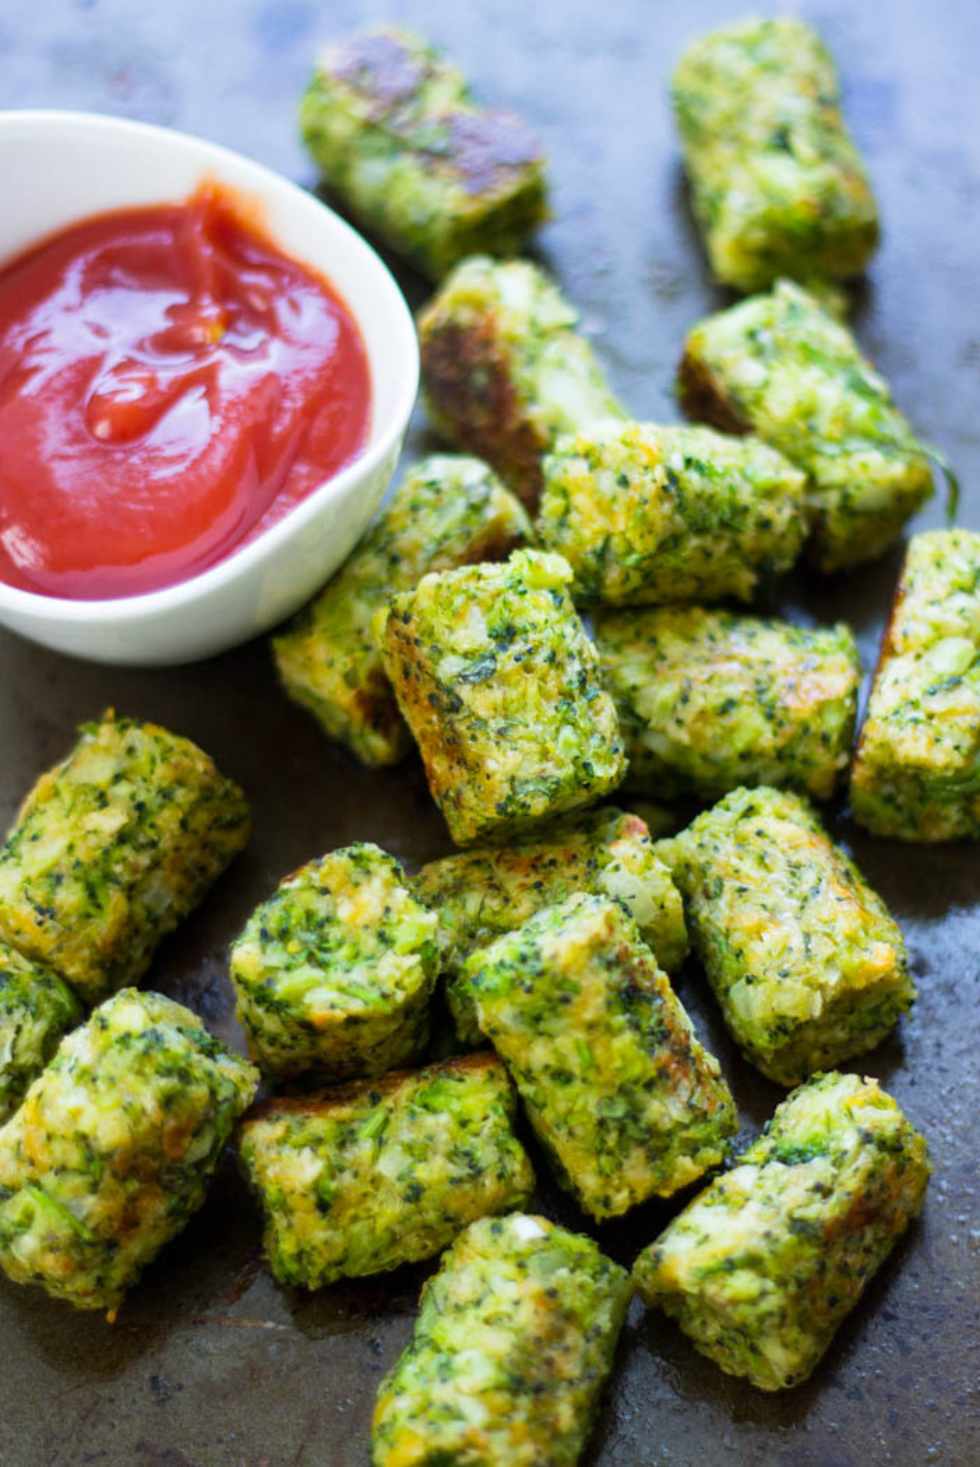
210,1364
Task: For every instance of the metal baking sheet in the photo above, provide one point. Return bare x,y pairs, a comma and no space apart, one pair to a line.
212,1365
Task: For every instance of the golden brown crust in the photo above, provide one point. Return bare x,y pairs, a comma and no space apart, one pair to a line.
335,1097
489,150
381,68
703,400
374,706
471,392
486,150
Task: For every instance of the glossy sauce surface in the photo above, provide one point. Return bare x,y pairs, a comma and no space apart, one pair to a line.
171,384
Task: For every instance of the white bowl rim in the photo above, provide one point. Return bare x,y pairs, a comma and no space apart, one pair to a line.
254,552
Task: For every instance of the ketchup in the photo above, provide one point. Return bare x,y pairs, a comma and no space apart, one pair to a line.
171,384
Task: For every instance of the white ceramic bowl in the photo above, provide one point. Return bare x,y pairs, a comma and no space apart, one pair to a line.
58,167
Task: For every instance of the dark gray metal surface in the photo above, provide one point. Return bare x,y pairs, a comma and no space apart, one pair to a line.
210,1364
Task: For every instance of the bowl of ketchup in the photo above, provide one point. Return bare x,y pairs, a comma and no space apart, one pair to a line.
205,380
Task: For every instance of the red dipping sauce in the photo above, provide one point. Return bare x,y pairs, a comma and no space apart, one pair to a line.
171,384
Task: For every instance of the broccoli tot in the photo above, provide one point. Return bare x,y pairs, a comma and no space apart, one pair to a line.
617,1087
113,1146
36,1009
514,1339
807,964
916,773
504,371
335,971
481,894
394,131
708,700
449,510
363,1178
499,683
648,515
762,1267
112,848
781,366
778,186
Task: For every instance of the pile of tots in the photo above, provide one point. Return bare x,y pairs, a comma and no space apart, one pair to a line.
549,939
